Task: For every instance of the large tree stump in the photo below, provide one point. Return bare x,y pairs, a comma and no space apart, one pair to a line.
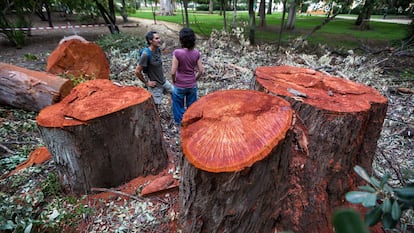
236,145
103,135
31,90
343,121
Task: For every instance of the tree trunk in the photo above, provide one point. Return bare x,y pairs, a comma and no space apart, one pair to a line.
262,14
291,20
237,146
252,22
31,90
342,123
166,7
363,18
103,135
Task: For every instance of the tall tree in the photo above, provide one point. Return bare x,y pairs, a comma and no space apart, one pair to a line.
124,11
282,24
252,22
187,22
109,17
364,16
269,7
223,4
292,8
262,14
233,24
166,7
211,6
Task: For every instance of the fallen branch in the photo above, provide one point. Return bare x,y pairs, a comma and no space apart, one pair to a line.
117,192
6,149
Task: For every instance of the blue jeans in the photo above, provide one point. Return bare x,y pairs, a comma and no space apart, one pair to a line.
182,98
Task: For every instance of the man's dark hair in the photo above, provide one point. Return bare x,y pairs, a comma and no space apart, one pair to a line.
187,38
150,36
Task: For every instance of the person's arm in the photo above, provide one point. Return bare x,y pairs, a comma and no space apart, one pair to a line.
174,66
142,77
200,68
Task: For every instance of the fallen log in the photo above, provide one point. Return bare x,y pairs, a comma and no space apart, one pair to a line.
342,123
236,145
103,135
31,90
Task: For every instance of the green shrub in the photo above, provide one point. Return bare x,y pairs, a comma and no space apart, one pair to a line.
393,207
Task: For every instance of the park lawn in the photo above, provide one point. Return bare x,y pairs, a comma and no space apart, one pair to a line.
337,33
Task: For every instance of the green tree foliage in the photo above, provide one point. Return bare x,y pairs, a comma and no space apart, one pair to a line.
14,16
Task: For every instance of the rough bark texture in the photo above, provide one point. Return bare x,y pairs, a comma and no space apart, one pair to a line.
31,90
103,135
224,126
74,56
342,122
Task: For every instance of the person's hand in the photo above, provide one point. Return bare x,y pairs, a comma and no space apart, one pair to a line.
151,83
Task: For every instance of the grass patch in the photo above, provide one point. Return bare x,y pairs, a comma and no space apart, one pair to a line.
339,32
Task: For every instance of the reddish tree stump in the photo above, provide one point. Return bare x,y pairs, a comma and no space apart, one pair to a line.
342,123
103,135
78,58
31,90
236,145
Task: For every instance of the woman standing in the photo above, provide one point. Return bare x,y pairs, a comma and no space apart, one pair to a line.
186,69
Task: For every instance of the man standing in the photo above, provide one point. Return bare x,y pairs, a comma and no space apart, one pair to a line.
149,69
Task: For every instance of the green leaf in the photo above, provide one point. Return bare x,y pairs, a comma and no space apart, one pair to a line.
388,222
356,197
28,228
384,179
406,192
362,173
370,200
375,182
386,206
367,188
396,211
348,221
373,216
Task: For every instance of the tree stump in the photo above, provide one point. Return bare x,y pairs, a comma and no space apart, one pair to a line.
343,121
79,58
31,90
103,135
236,145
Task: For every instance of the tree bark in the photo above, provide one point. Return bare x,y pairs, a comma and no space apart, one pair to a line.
237,146
103,135
342,123
31,90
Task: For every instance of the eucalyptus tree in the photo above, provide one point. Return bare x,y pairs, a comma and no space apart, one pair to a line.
262,15
252,22
292,6
166,7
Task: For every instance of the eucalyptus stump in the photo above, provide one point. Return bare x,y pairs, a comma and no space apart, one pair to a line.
236,146
103,135
342,122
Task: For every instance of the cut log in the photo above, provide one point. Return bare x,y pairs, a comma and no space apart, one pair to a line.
78,58
342,123
236,145
103,135
31,90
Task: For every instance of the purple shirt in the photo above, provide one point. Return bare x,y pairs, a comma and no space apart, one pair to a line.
187,61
